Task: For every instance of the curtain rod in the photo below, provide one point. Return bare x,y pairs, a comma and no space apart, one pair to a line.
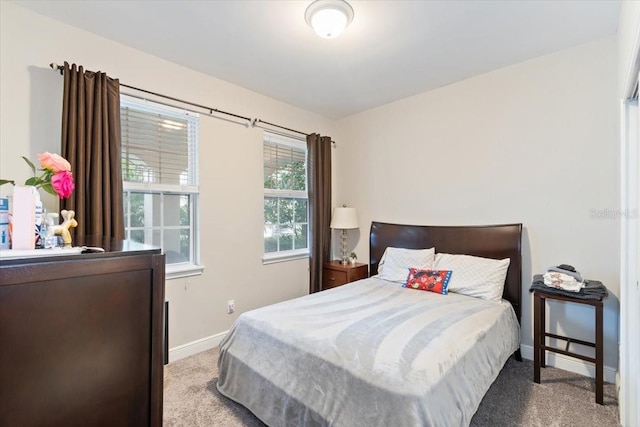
258,121
253,123
60,68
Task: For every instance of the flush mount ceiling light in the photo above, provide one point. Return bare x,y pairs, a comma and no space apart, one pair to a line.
328,18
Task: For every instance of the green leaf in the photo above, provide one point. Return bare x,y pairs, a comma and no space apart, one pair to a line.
33,168
7,181
34,180
49,189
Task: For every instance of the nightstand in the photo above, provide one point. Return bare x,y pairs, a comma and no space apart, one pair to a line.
336,274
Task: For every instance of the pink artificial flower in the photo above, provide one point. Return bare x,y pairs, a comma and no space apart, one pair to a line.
54,162
63,184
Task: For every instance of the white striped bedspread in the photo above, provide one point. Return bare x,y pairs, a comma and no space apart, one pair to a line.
369,353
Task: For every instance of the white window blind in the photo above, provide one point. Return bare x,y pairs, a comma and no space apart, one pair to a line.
159,145
284,165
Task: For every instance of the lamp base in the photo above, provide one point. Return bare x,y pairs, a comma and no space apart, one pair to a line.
344,247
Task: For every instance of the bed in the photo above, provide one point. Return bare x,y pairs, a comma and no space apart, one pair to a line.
373,353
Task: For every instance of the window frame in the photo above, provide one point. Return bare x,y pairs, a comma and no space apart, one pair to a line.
192,191
298,143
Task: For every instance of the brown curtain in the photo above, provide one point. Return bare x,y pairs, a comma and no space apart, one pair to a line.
91,143
319,181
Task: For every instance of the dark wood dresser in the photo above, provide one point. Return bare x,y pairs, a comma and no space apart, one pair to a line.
81,338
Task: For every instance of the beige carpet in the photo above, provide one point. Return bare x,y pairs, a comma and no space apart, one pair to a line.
562,399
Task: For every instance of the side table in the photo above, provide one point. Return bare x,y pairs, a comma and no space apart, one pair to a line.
539,337
336,274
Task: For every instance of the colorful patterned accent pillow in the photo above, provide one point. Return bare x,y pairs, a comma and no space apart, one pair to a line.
428,280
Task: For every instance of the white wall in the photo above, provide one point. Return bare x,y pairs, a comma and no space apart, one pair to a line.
535,143
230,159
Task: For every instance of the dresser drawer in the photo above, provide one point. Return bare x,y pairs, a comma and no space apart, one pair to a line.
333,278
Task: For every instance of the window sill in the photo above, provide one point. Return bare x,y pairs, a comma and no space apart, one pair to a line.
274,258
177,271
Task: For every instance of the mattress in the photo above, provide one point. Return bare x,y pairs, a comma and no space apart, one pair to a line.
369,353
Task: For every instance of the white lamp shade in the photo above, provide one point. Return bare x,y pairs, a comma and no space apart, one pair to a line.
344,218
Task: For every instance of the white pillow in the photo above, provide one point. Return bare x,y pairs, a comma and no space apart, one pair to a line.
396,262
474,276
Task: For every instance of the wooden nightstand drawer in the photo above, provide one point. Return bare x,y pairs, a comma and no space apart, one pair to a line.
333,278
335,273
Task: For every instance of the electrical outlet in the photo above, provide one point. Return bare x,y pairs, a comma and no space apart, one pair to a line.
231,306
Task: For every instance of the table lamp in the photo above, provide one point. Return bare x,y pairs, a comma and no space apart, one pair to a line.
344,218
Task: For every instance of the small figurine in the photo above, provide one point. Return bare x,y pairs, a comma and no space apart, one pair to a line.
63,229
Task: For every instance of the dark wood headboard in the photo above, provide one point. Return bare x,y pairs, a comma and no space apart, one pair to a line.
488,241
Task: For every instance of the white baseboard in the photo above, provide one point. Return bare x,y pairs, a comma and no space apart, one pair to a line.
193,347
570,364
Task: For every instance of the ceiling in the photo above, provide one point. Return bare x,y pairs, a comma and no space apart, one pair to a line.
391,50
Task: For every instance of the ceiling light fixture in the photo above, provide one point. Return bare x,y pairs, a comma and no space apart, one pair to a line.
329,18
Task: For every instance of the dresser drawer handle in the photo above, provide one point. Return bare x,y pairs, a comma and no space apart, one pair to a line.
332,278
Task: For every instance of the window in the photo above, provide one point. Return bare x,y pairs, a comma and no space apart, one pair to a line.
286,213
160,180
